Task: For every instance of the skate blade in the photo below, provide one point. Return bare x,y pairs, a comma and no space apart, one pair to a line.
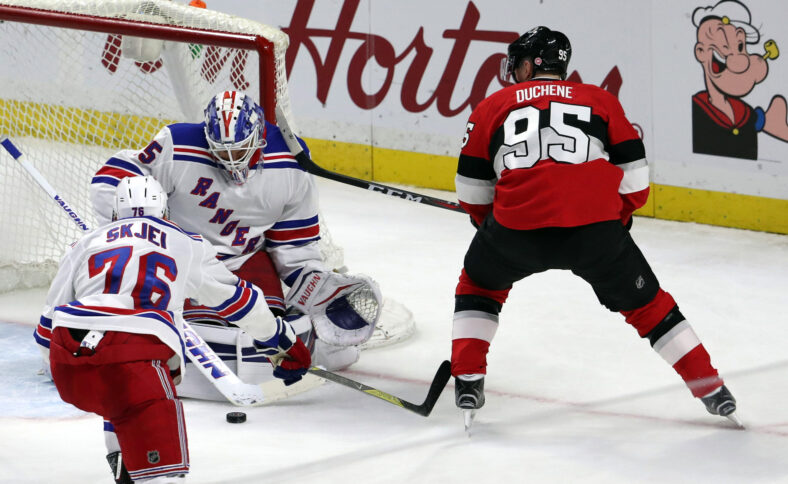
468,416
735,419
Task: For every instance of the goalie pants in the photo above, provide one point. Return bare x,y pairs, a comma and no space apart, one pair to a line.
604,255
126,382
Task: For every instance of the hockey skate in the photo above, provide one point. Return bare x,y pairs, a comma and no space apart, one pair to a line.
469,396
722,403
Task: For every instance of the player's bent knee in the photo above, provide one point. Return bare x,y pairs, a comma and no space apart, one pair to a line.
647,317
670,321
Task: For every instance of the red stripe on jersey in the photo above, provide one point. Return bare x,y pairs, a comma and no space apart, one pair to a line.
243,300
115,172
44,332
125,312
191,150
278,156
292,234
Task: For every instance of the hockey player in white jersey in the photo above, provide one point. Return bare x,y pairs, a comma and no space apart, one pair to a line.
117,341
232,179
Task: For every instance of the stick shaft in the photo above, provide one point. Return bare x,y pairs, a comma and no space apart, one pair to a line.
42,182
309,165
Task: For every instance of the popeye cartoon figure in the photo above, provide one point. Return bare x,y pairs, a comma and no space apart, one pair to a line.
722,123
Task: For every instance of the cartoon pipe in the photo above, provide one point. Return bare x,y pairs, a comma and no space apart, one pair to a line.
772,52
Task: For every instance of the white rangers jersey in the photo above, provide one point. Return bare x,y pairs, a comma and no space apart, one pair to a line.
275,210
133,275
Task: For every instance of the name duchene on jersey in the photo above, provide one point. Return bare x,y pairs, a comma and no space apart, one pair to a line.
532,92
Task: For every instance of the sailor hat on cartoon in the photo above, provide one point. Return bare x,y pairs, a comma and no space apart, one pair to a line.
730,12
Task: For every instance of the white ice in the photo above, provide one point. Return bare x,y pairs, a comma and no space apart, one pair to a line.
573,395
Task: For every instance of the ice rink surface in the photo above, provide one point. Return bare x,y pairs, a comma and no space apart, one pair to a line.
573,395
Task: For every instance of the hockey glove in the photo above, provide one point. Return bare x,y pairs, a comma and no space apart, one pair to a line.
286,351
344,308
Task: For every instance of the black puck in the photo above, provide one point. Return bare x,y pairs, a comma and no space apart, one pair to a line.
236,417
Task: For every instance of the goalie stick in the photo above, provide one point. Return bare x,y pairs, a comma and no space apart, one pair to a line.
309,165
436,387
204,358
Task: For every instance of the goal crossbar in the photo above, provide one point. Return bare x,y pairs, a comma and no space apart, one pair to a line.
138,28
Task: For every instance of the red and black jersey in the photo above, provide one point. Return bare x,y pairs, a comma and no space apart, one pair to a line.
551,153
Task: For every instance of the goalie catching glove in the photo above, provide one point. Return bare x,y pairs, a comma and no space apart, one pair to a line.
288,354
344,308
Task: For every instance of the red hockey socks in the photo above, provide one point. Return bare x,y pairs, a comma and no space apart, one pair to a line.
674,340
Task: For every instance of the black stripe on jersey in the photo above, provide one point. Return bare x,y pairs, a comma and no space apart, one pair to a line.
627,151
475,167
596,127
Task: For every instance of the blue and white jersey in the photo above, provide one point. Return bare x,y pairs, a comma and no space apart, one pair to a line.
133,275
275,210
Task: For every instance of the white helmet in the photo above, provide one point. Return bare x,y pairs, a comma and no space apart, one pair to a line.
139,196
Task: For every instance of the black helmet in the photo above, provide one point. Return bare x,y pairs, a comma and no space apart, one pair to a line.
549,50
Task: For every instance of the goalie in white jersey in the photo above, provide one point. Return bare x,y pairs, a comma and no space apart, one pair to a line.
117,344
232,179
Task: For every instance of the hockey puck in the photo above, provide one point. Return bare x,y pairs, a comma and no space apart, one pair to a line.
236,417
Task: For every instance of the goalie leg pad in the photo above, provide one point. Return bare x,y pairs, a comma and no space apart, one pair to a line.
332,357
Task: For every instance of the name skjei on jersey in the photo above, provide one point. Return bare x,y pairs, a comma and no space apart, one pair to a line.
146,232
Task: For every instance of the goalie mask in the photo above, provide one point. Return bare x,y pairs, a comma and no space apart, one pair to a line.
139,196
549,50
235,131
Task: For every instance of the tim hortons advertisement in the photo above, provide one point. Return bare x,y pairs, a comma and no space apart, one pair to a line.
406,75
704,82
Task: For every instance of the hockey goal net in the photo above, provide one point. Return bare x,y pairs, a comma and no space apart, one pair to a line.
75,88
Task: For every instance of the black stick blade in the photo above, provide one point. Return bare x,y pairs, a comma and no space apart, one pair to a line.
436,387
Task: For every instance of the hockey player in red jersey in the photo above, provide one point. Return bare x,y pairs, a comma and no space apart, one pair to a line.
550,172
117,341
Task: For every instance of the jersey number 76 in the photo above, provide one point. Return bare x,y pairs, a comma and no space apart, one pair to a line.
150,291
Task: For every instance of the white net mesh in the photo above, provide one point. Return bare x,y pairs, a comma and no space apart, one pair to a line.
71,97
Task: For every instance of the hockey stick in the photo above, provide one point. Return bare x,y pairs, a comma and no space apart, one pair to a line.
42,182
436,387
197,350
306,163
